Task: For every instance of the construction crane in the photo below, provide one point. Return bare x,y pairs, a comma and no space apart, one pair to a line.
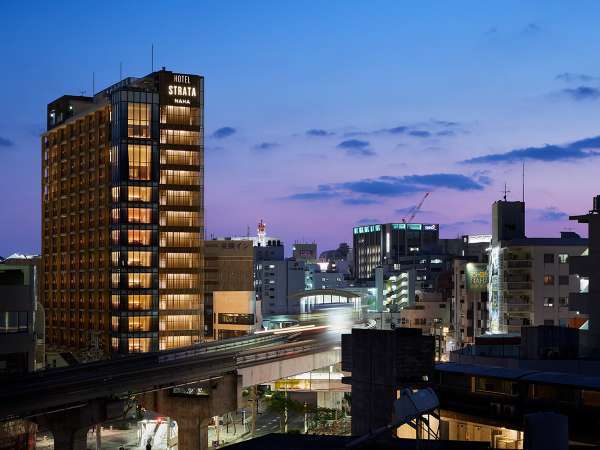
415,210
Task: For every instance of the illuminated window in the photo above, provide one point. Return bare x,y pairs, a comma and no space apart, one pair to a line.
140,323
139,280
180,115
139,237
179,322
179,198
139,158
139,194
563,258
139,302
115,301
179,281
179,301
114,323
114,257
138,120
139,215
179,218
549,280
114,215
115,194
179,239
179,260
114,343
139,259
114,236
179,137
548,302
169,342
115,278
181,177
584,285
138,345
179,157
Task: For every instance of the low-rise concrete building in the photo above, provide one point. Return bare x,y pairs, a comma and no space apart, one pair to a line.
21,319
235,313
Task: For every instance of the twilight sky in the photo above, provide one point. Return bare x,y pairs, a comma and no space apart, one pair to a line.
323,115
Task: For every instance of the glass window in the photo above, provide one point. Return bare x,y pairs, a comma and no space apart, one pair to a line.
179,281
179,322
179,157
13,322
180,115
179,137
548,258
138,120
584,284
179,239
169,342
563,301
179,260
139,194
115,278
182,177
179,198
179,219
563,258
139,237
549,280
179,301
139,280
139,302
139,158
139,259
563,280
548,302
138,345
140,323
139,215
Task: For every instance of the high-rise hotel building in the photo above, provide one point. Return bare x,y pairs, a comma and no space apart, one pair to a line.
122,216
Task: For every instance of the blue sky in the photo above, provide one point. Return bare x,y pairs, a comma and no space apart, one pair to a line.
323,115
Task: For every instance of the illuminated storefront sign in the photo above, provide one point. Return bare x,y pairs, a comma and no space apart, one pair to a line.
367,229
178,89
479,238
477,277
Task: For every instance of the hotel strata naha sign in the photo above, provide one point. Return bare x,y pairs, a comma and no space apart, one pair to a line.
182,90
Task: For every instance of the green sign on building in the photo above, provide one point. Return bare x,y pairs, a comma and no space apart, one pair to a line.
477,277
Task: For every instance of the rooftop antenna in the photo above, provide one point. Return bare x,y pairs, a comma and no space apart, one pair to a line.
152,57
523,179
505,191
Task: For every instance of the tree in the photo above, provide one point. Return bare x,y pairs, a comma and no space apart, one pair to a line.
280,404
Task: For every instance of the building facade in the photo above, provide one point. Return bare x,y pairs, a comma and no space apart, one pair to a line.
385,244
21,319
469,300
235,314
529,281
586,269
122,216
305,251
228,266
275,282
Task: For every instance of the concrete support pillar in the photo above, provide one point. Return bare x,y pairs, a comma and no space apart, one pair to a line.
193,412
70,427
68,438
